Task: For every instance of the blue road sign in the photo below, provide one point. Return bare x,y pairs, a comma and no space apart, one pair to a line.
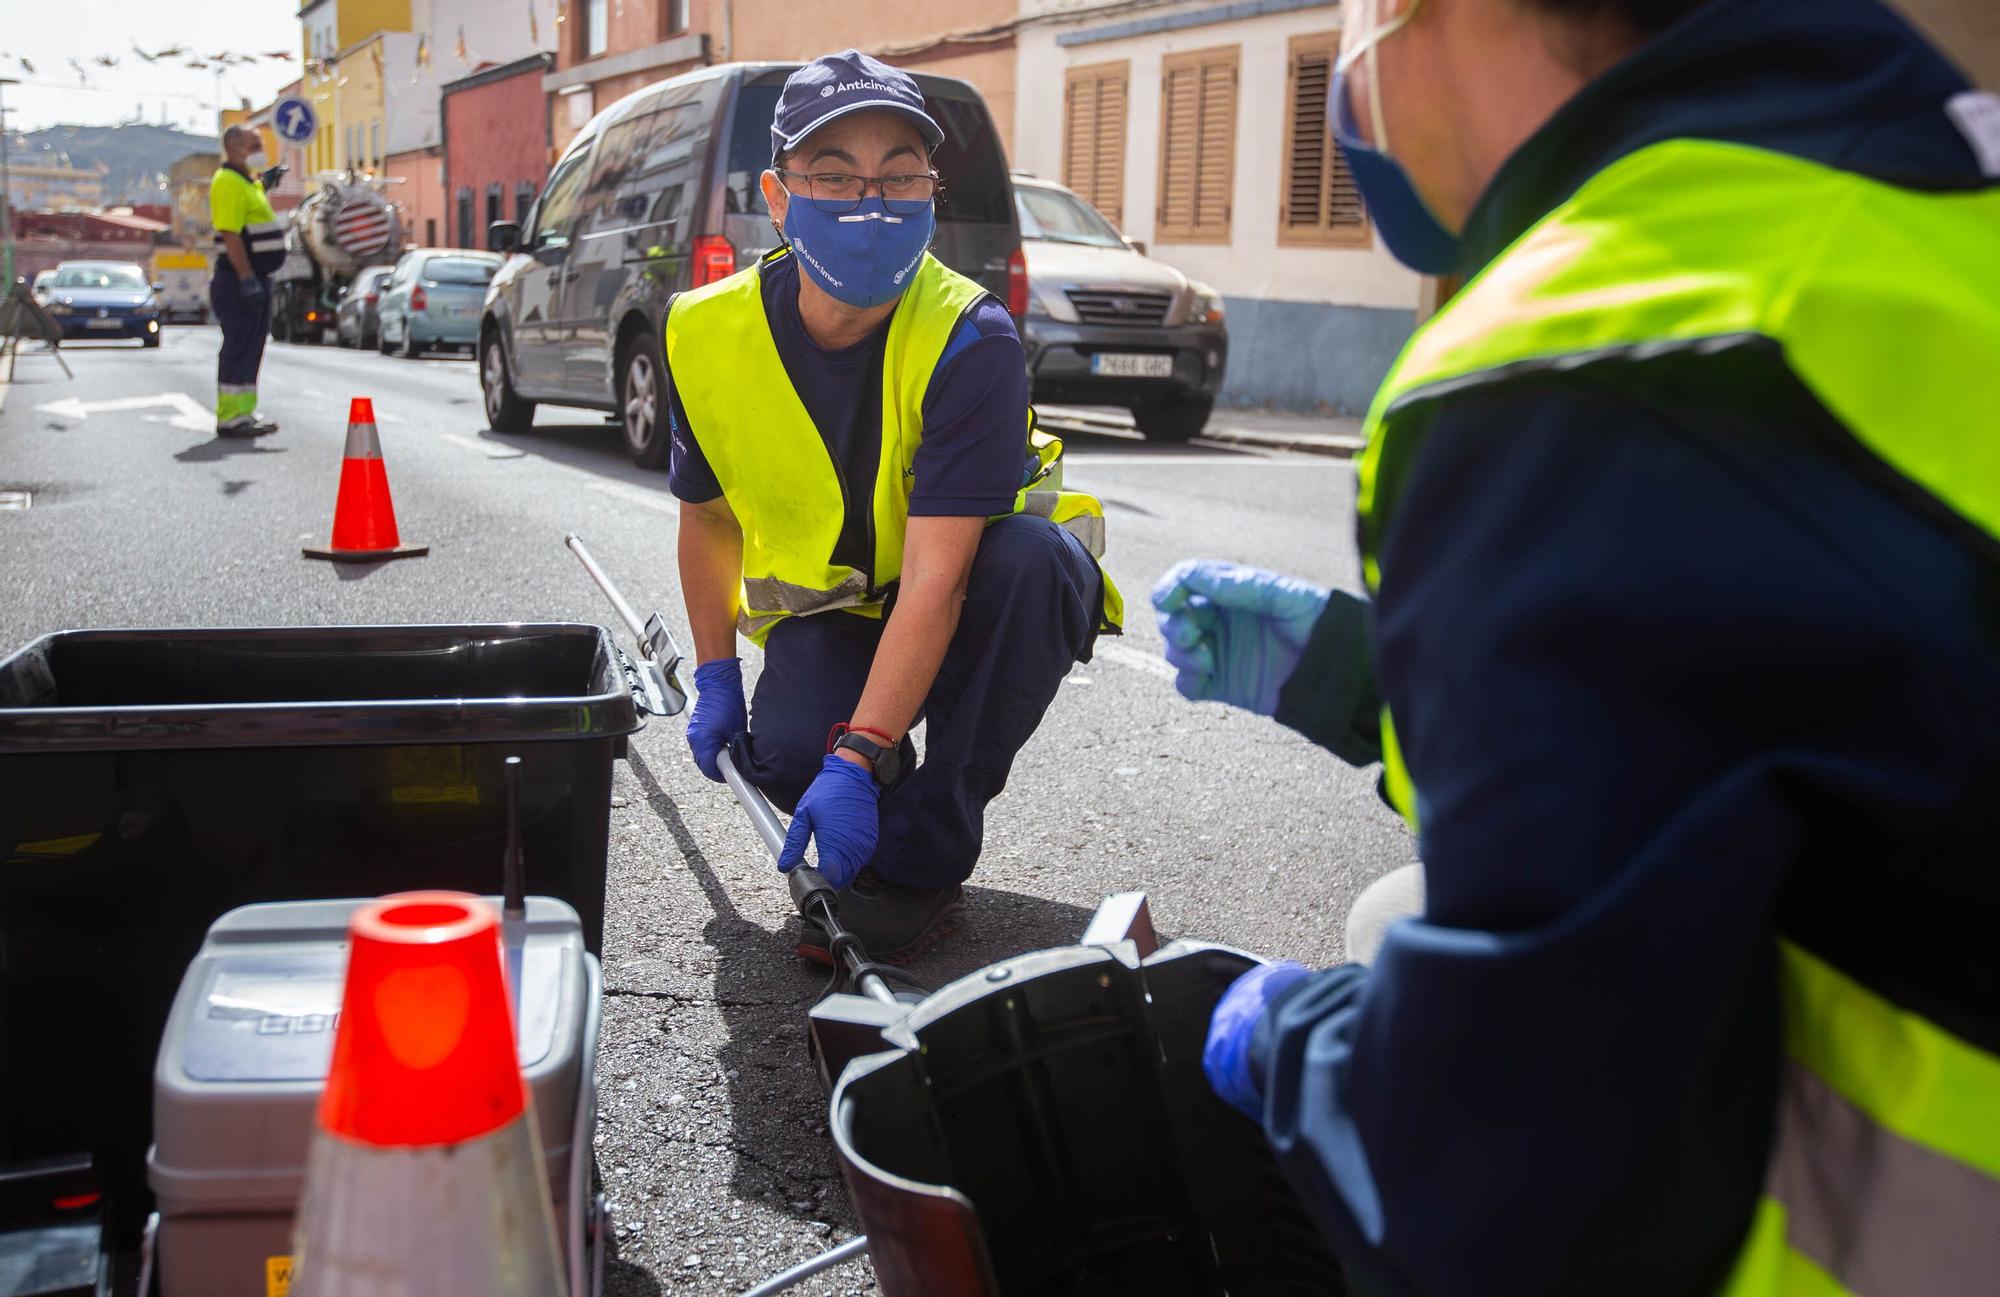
294,119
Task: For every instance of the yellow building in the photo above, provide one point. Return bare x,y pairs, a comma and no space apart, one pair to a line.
334,38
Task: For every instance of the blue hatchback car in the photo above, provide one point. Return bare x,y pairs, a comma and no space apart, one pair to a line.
104,299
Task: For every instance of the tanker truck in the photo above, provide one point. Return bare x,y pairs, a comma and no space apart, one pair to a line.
342,227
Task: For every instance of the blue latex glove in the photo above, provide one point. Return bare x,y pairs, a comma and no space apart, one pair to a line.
250,292
719,712
1235,633
839,813
1226,1056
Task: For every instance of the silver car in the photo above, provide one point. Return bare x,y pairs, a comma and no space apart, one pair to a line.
432,300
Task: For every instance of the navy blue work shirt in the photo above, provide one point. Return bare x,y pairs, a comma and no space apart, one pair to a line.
1677,668
974,448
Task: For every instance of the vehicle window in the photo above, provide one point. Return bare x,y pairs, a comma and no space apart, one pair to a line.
970,160
972,163
100,277
552,215
618,155
749,150
1062,218
460,270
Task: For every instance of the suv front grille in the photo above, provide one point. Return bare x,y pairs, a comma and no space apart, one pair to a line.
1100,306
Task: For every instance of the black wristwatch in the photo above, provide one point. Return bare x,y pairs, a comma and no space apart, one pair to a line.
886,763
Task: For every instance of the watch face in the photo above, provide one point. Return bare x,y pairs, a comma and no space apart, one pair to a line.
887,761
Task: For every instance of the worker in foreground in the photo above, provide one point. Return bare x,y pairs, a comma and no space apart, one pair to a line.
1682,527
252,243
864,498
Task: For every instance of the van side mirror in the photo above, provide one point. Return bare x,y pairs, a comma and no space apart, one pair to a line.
159,285
1137,245
503,236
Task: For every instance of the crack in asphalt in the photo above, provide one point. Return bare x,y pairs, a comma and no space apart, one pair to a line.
719,1001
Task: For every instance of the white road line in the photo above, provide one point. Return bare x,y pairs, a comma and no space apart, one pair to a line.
1137,659
636,495
485,448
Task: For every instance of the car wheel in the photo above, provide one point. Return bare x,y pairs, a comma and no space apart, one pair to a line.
1173,418
505,412
642,401
408,348
151,340
371,339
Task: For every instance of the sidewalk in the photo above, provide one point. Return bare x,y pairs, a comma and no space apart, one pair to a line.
1311,434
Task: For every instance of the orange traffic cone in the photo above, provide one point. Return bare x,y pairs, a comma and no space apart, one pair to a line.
426,1176
364,519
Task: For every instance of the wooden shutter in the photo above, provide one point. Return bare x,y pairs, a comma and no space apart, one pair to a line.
1094,137
1319,203
1197,145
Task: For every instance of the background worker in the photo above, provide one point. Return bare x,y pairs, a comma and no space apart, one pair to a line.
1682,523
253,245
846,418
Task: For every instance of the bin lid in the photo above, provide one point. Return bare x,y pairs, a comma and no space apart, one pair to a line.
314,686
246,1049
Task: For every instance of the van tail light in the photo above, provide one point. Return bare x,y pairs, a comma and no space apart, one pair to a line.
713,259
418,301
1017,283
371,298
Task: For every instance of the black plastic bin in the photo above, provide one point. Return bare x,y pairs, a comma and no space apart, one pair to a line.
1042,1128
150,781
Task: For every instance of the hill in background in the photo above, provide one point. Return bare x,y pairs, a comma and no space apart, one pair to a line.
136,156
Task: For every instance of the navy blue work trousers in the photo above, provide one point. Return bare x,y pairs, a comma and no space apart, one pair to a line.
244,331
1032,608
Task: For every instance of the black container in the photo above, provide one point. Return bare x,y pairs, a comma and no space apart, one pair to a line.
151,781
1042,1128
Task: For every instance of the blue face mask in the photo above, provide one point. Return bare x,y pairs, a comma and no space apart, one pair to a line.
1414,235
864,257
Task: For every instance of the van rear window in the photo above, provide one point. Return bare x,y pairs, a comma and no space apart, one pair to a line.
970,159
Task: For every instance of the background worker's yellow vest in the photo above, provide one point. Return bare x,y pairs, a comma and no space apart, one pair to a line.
1883,303
777,473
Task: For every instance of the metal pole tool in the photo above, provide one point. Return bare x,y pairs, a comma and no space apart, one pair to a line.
812,895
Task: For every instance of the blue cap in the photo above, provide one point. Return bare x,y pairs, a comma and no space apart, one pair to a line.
835,85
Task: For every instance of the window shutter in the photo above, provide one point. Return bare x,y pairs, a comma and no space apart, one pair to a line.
1197,145
1094,137
1320,203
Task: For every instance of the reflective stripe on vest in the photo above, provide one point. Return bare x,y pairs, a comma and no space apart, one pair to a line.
777,472
1886,1174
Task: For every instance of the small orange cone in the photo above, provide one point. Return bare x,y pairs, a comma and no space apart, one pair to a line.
364,519
426,1176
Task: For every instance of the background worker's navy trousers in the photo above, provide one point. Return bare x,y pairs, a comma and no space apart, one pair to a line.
1032,608
244,332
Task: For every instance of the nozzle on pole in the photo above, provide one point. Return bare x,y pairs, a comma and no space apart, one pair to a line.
514,871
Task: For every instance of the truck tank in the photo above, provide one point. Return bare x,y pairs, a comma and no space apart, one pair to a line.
341,228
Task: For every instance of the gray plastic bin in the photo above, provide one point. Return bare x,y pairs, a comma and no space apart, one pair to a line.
244,1060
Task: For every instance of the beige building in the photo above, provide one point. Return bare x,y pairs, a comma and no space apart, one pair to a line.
609,48
55,188
187,191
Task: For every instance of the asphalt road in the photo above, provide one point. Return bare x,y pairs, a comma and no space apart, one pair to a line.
712,1141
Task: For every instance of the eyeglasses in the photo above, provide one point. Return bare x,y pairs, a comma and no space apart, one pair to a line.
838,192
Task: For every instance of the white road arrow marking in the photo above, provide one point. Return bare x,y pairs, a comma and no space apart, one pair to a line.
191,414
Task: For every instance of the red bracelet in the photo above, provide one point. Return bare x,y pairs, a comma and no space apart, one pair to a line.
842,727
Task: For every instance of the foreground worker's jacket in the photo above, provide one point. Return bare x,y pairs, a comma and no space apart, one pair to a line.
778,475
1818,1109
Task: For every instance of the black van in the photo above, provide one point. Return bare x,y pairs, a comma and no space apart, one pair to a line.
659,193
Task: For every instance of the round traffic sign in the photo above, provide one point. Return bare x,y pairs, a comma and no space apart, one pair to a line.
294,119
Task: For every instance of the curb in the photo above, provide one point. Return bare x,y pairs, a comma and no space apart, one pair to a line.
1332,446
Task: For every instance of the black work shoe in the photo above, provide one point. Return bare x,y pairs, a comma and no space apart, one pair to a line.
894,923
250,428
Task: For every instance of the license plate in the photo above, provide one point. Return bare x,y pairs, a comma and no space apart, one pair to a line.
1117,365
104,324
460,312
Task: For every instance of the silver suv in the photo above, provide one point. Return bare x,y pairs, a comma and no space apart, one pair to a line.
1108,325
